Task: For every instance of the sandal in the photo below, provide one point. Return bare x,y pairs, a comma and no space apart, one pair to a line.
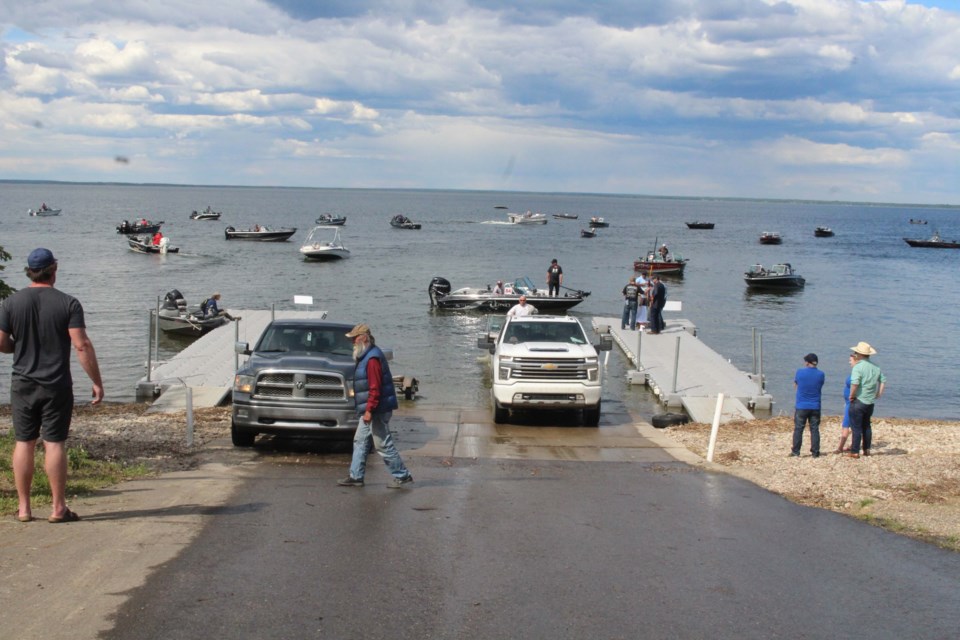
25,518
68,516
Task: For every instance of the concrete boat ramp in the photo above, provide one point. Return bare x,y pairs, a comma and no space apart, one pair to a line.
684,372
208,365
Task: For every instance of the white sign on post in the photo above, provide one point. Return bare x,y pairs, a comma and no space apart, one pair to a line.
302,299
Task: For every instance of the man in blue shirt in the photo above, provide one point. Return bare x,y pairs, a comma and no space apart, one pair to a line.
809,382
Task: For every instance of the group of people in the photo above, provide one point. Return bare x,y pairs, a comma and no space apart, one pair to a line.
643,302
862,388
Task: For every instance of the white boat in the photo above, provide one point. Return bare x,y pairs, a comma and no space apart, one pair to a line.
43,211
324,243
527,218
780,276
260,234
206,214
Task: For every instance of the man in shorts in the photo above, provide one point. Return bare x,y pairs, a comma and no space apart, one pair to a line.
38,325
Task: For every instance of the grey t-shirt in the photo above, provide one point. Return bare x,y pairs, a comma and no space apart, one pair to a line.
37,319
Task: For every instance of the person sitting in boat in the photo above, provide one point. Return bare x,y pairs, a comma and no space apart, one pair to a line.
498,289
256,227
664,253
211,308
143,222
157,237
43,207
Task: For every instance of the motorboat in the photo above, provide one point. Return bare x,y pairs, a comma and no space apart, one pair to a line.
566,216
144,244
138,226
770,237
598,221
260,234
488,299
780,276
655,262
527,218
329,219
177,318
823,232
933,242
43,211
917,221
323,243
206,214
588,233
501,206
700,225
401,221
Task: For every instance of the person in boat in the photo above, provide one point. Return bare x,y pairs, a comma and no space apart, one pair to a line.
157,237
143,222
256,227
521,308
664,253
124,226
498,288
554,278
211,308
43,206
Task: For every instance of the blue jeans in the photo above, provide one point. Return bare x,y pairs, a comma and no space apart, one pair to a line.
629,318
800,419
860,414
379,427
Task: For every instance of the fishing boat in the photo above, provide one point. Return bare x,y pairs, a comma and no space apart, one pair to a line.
144,244
780,276
400,221
501,206
770,237
260,234
656,263
933,242
490,299
588,233
527,218
43,211
700,225
138,226
917,221
598,222
823,232
331,220
177,318
206,214
566,216
323,243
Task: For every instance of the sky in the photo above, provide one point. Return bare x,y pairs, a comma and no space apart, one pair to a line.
847,100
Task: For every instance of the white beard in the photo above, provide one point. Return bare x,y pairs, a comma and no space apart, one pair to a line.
359,349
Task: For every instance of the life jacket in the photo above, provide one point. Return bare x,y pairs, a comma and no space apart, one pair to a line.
361,386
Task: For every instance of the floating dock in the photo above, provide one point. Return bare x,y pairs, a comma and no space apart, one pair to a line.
684,372
208,365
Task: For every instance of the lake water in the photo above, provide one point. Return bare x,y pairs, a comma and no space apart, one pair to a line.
863,284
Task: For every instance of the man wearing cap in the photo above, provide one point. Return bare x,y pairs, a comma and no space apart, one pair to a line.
38,325
809,382
867,383
376,399
554,278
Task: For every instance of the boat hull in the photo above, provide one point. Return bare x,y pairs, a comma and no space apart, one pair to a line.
136,229
660,266
331,221
565,216
486,301
700,225
524,219
204,216
141,246
188,325
820,232
775,282
321,255
44,213
932,244
268,235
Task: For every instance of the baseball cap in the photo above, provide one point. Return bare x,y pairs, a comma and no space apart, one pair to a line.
360,329
40,258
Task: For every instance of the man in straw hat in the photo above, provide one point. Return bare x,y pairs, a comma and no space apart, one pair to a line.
376,398
866,386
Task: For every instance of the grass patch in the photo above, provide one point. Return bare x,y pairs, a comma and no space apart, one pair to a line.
84,475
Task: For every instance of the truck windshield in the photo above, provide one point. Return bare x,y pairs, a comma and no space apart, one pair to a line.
306,339
566,332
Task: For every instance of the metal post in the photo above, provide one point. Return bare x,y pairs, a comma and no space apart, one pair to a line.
149,344
236,339
189,400
639,342
156,333
715,428
273,311
676,365
760,360
753,348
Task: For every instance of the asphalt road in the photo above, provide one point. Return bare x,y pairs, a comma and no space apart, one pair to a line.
532,548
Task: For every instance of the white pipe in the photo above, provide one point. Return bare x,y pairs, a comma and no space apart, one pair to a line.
189,401
715,428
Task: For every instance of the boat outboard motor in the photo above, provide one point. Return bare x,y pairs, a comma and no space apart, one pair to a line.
174,301
439,287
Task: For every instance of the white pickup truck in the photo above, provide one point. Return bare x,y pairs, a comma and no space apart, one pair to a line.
544,363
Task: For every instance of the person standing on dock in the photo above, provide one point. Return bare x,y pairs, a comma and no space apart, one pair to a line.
631,296
657,293
554,278
867,383
809,383
376,398
38,325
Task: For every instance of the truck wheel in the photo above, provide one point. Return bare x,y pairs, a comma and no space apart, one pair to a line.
241,438
500,413
591,416
662,420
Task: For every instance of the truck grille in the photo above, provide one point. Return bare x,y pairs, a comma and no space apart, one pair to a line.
323,387
549,369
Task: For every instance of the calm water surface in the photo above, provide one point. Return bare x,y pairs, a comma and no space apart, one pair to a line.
863,284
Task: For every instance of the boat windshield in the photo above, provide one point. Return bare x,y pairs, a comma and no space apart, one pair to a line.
524,285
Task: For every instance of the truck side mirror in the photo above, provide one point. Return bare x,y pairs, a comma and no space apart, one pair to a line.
606,342
242,348
483,342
